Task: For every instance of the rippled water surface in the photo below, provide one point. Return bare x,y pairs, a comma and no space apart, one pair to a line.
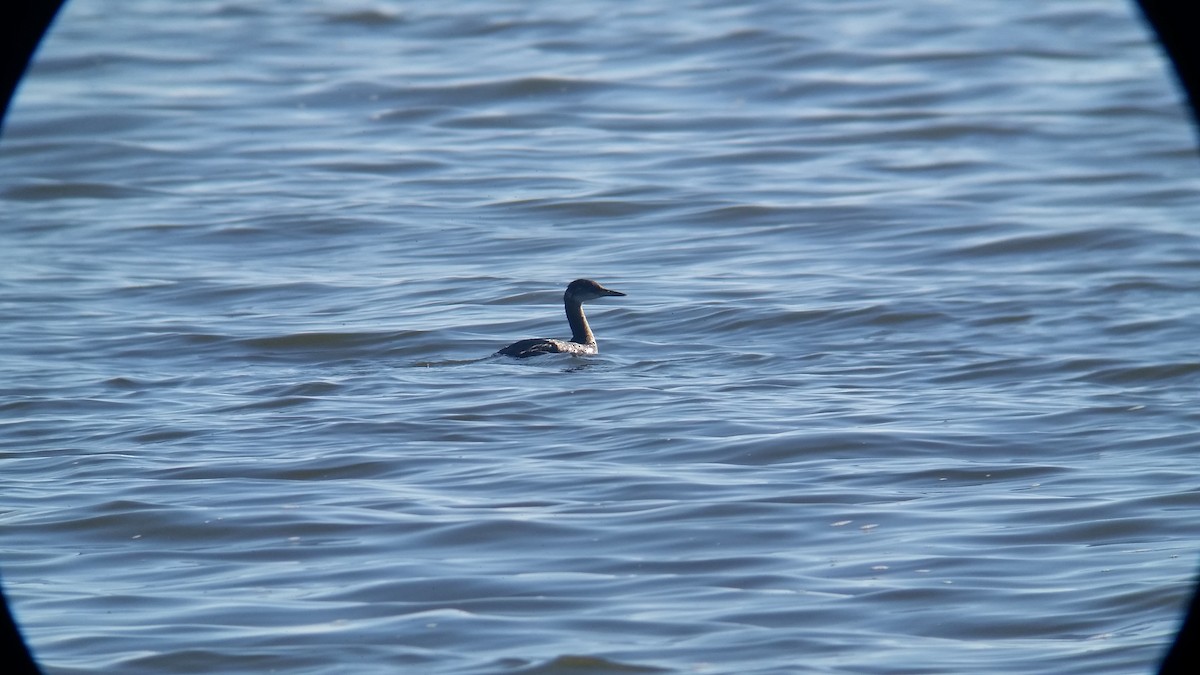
905,380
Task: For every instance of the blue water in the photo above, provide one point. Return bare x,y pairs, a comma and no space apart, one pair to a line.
905,380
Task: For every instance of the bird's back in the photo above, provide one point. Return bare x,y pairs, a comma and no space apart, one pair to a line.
535,346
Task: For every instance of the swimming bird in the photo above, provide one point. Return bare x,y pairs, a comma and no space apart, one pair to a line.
582,341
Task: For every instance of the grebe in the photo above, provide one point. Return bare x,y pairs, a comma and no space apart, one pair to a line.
582,341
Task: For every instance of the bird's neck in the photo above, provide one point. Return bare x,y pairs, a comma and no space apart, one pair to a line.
580,331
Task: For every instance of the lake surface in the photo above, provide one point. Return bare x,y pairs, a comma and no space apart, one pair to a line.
905,380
